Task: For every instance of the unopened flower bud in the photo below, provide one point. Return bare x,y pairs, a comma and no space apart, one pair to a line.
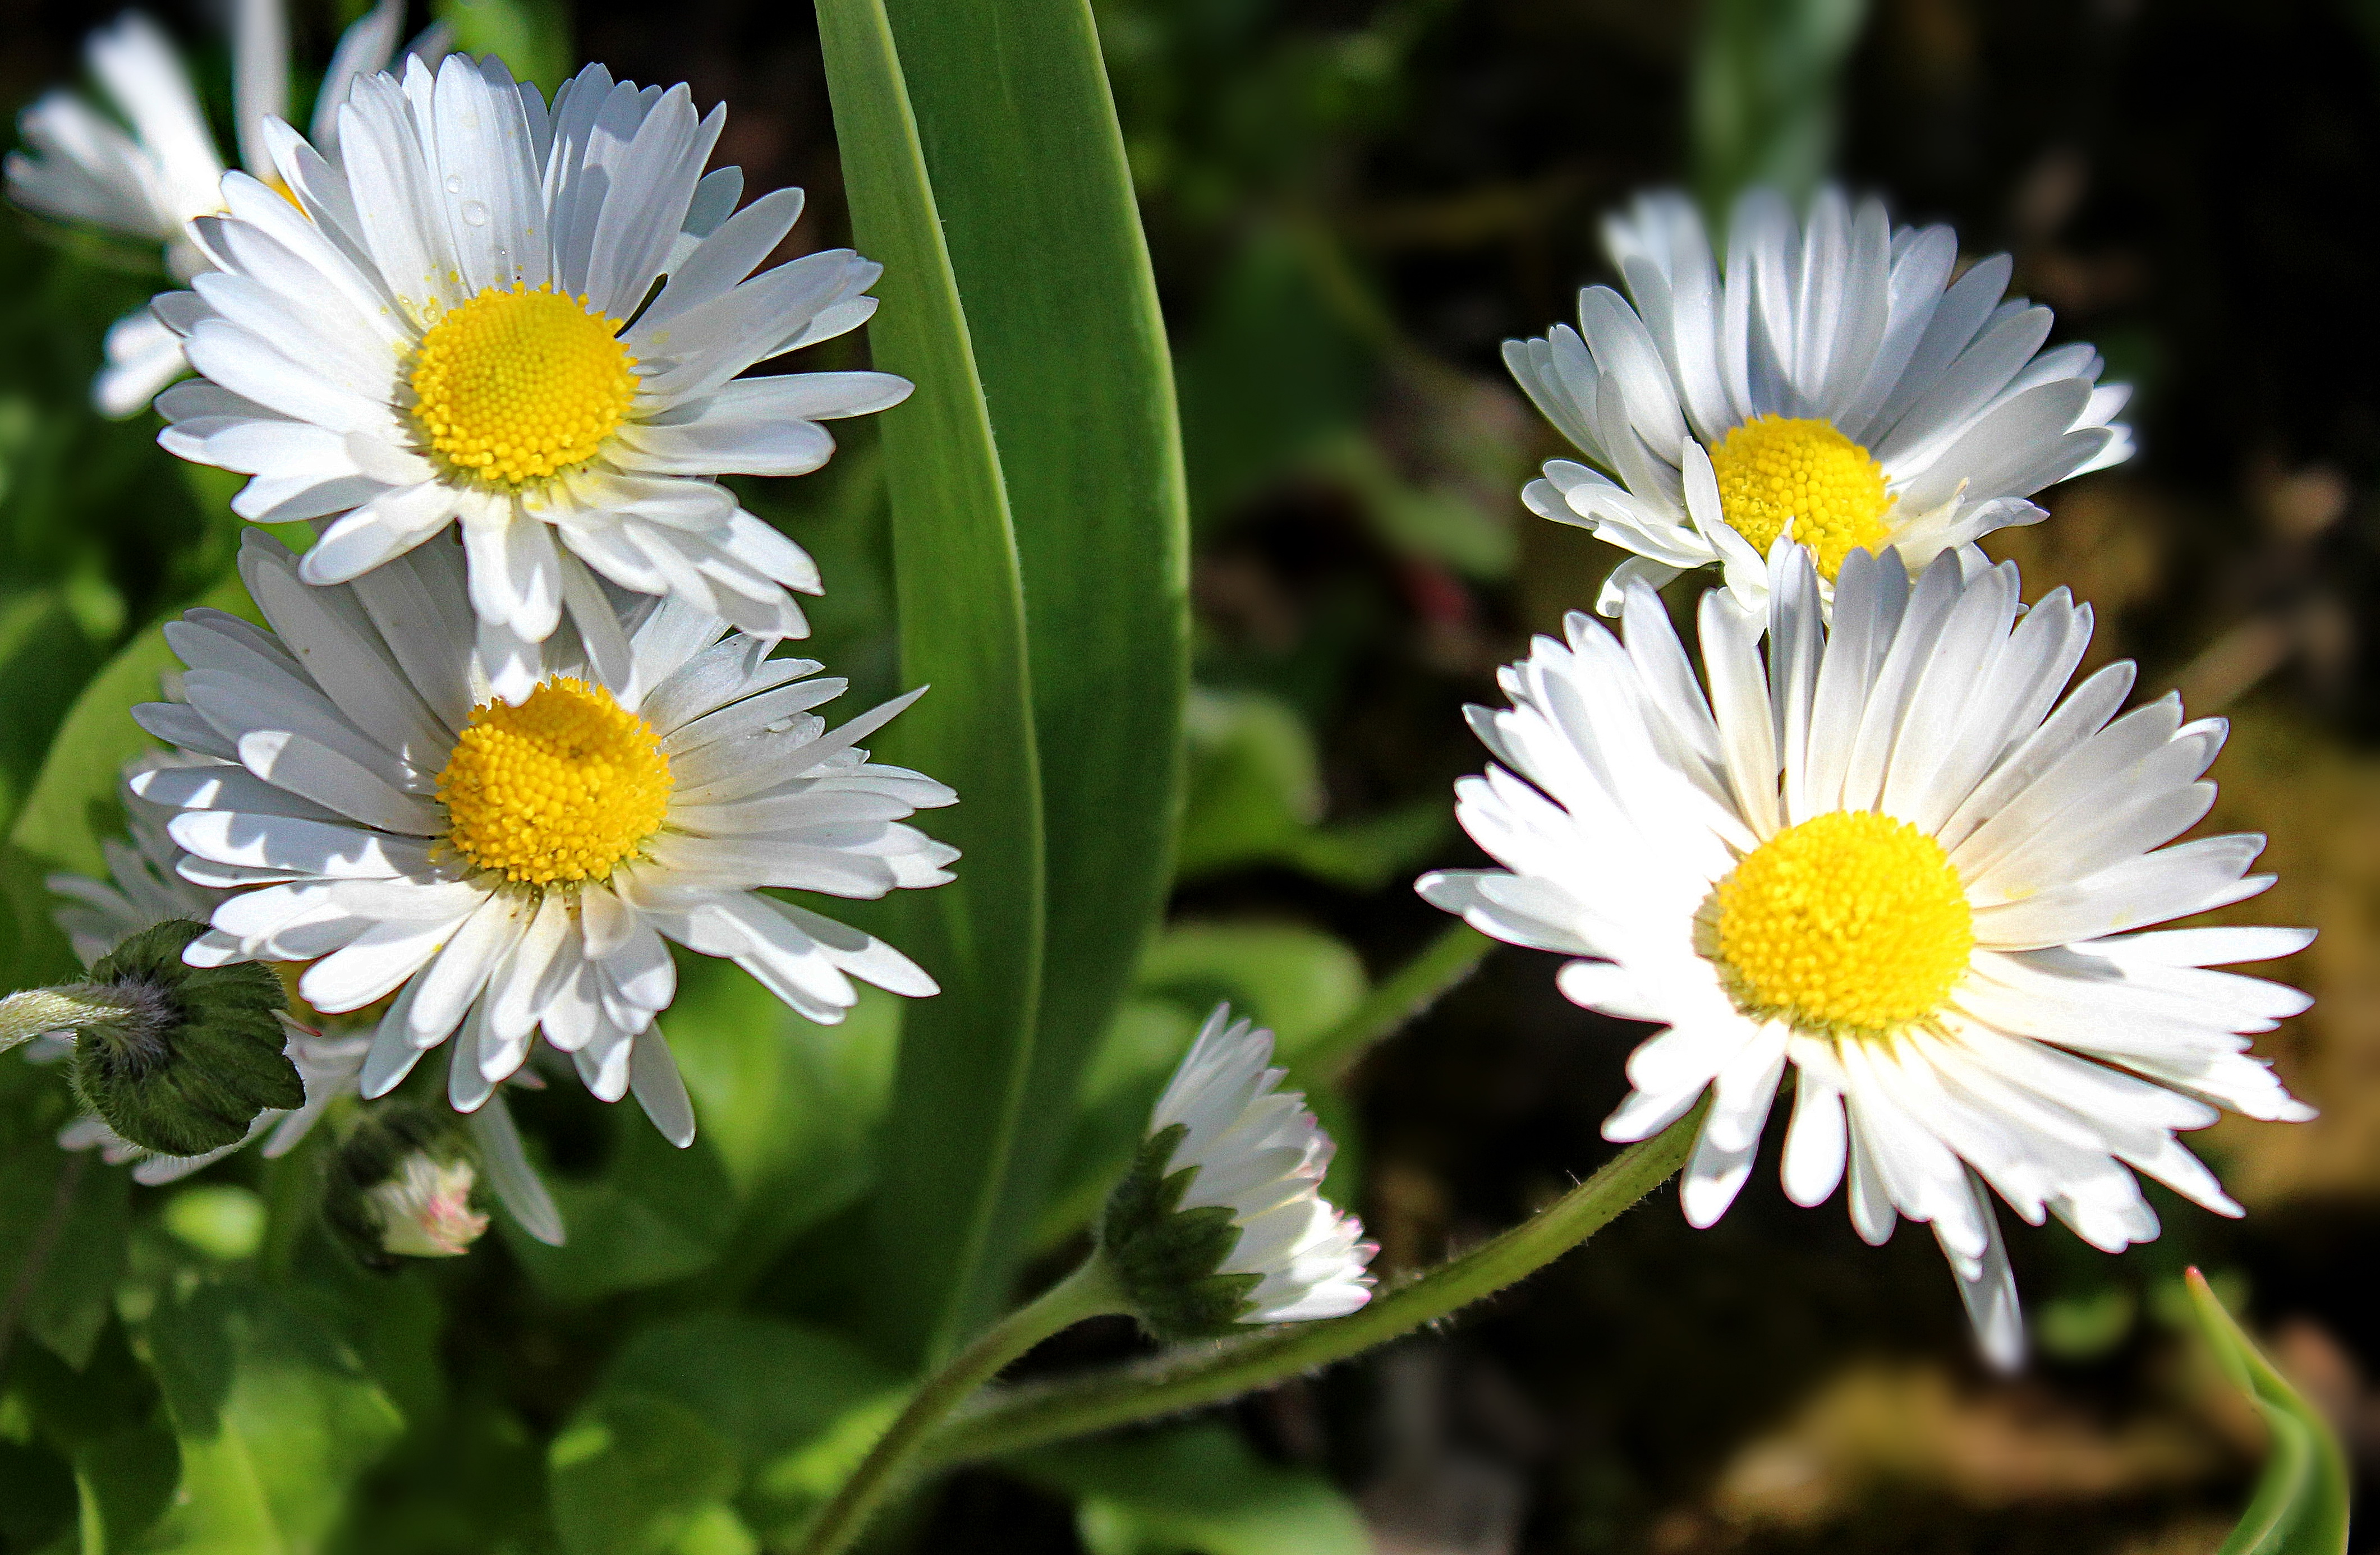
400,1185
175,1059
1218,1222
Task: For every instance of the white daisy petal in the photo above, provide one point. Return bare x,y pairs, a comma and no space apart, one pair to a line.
1257,1153
364,346
1941,930
1849,391
515,867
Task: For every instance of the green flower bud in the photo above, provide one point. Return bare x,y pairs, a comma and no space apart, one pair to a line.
175,1059
400,1185
1168,1258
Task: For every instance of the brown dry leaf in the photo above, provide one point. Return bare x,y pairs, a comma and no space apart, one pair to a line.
2319,804
1909,1424
2101,540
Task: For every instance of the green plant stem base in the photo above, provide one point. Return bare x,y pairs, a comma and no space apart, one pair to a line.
1194,1375
1089,1292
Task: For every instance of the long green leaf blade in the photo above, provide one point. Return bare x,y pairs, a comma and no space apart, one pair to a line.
1020,138
2300,1507
966,1055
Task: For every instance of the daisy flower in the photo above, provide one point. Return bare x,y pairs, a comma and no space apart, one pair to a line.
505,871
1889,856
143,889
482,315
1220,1222
80,166
1834,383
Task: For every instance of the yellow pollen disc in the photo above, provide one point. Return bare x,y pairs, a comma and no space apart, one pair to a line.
1772,468
1851,923
518,386
564,787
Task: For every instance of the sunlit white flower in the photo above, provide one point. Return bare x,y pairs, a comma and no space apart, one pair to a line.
1834,382
80,166
506,870
1879,855
466,321
142,889
1224,1137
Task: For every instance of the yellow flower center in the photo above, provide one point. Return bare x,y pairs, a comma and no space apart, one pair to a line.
517,386
1772,468
564,787
1851,923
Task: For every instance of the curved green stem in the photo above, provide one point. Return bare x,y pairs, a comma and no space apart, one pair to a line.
1420,983
1089,1292
1198,1375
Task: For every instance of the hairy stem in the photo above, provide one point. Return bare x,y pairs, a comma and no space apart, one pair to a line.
1194,1375
26,1014
1089,1292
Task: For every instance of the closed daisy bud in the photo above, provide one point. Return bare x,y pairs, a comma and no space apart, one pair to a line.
175,1059
400,1185
1217,1223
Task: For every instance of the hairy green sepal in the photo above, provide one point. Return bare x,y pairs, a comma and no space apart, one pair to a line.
375,1151
195,1053
1168,1258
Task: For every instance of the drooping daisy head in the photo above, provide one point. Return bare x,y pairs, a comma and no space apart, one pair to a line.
509,871
527,322
1887,855
81,165
1220,1220
1836,380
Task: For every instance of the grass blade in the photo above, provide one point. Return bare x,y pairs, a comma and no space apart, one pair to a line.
966,1055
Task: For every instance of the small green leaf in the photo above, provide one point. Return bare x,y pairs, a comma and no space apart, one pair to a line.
222,1219
1195,1489
633,1472
701,1430
44,660
2300,1507
74,804
37,1501
652,1214
63,1216
1298,981
276,1420
790,1107
1255,797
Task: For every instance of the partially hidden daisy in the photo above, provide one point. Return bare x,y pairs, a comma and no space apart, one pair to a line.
508,872
81,165
1220,1222
143,889
1834,382
484,314
1889,856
